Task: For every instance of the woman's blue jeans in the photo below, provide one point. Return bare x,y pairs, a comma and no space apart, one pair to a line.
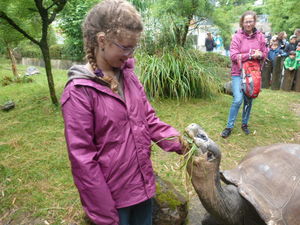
238,97
139,214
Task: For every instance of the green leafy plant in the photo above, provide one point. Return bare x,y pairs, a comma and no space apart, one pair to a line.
176,74
7,80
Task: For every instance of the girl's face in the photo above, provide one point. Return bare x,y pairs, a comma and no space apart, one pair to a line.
248,23
118,50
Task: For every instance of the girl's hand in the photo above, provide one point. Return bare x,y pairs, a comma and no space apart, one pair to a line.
185,147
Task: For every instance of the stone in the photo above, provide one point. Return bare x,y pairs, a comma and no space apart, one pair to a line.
8,106
31,70
227,88
170,207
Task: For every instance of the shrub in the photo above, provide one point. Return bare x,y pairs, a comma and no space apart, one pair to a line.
71,52
30,51
56,51
7,80
177,74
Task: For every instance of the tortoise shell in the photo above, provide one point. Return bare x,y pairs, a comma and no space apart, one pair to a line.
269,178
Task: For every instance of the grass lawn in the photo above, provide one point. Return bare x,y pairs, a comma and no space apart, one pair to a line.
36,185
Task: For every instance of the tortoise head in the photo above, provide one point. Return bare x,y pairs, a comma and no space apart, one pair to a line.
208,155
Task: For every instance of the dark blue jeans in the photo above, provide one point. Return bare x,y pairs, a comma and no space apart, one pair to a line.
139,214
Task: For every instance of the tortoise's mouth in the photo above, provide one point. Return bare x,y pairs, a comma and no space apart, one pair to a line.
207,149
210,156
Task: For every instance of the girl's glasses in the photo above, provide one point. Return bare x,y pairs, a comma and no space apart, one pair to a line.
126,51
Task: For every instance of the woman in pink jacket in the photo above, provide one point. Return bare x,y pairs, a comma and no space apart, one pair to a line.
247,44
109,123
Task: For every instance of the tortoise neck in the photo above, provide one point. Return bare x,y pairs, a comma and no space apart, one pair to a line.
223,202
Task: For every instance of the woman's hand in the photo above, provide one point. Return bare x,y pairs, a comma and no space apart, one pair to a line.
257,54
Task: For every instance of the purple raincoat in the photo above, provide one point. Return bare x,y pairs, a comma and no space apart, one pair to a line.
241,46
109,140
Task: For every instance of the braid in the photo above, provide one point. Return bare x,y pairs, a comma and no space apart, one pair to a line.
111,80
108,16
90,56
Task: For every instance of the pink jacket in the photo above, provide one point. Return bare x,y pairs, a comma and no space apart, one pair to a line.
241,46
109,140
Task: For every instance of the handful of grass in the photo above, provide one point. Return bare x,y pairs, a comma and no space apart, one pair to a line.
189,154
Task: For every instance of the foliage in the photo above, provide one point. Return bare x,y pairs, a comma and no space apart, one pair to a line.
223,20
176,73
56,51
28,49
174,17
70,22
283,15
226,14
38,11
35,176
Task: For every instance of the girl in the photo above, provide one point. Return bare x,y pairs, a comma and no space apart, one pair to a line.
247,44
109,123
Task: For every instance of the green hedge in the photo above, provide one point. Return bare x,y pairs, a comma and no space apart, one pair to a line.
56,51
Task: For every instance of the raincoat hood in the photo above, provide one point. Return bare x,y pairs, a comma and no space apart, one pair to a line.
81,71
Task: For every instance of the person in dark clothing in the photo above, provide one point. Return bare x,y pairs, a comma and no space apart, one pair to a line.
275,51
292,45
268,39
209,43
281,38
297,33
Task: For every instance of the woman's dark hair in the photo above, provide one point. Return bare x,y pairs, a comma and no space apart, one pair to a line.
247,13
280,35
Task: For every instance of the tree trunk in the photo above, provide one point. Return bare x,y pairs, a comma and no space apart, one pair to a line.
46,55
297,81
13,61
288,79
186,30
276,74
266,74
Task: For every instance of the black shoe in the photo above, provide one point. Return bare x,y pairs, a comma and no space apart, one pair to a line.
245,129
226,132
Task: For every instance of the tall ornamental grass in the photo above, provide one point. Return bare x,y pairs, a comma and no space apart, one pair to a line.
177,73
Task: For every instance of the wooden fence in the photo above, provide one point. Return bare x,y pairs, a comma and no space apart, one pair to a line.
274,76
55,63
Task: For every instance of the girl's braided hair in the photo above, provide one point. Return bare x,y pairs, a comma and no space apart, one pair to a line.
111,17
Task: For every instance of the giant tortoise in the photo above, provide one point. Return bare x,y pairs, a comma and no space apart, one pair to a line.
263,189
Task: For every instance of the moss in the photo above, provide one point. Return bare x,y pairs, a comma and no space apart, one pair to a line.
167,197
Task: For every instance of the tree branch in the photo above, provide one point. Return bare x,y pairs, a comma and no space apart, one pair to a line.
54,3
39,5
60,5
17,28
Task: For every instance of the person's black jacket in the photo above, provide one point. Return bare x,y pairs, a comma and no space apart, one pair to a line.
290,47
209,44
